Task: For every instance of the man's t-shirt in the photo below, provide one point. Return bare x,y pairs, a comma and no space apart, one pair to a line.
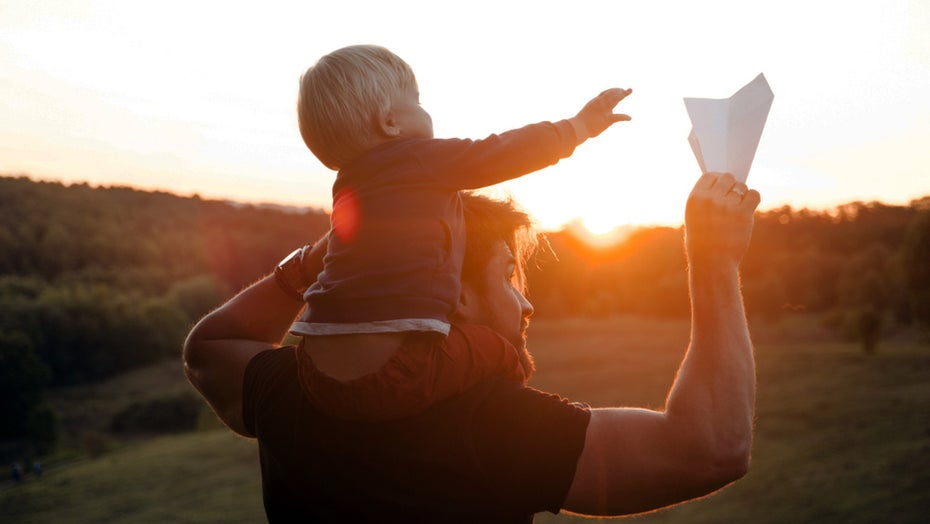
498,453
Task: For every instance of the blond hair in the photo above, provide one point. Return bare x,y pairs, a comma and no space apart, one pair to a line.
342,96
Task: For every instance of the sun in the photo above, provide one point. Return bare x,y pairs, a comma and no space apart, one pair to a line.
599,224
554,207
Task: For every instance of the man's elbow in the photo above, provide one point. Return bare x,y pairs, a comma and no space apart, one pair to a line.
191,356
730,462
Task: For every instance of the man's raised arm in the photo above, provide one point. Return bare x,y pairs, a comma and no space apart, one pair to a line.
221,345
636,460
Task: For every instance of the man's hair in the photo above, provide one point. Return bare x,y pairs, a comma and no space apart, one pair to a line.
489,221
341,96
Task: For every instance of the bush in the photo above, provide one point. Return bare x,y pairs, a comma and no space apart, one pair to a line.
869,325
197,295
161,415
22,383
43,429
915,254
94,443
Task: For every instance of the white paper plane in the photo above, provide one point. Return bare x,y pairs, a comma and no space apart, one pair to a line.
725,132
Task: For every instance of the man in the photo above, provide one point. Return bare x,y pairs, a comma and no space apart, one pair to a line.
501,451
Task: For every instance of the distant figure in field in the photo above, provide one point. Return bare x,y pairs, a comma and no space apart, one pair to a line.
394,259
500,451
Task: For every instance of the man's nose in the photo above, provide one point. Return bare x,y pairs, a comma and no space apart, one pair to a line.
526,306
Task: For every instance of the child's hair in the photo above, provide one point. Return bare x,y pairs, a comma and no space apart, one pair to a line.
341,96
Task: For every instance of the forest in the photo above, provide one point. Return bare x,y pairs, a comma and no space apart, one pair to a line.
95,281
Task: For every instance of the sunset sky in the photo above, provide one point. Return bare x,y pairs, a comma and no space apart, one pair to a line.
198,97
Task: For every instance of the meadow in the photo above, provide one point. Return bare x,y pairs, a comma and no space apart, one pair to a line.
842,436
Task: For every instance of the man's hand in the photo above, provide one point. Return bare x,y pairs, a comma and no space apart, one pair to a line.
718,220
597,115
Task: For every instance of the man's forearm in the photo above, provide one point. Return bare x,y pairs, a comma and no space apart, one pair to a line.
714,393
262,312
220,347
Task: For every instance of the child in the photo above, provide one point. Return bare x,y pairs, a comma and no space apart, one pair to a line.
395,251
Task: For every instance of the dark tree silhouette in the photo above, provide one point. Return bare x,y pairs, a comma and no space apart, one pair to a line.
916,262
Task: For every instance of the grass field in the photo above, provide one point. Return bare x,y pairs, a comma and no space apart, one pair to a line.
841,436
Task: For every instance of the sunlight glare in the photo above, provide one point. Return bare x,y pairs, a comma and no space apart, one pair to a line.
597,224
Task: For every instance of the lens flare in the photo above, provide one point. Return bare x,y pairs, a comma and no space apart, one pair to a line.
345,216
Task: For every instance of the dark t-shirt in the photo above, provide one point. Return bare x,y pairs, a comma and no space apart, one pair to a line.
498,453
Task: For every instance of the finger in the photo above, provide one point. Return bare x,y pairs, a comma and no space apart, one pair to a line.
751,200
623,93
732,200
620,118
611,97
608,99
706,181
725,183
739,187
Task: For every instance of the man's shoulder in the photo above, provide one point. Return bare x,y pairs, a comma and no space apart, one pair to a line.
491,407
275,367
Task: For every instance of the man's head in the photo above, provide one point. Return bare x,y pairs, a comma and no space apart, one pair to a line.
344,96
499,240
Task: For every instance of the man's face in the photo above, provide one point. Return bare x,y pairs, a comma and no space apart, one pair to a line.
497,301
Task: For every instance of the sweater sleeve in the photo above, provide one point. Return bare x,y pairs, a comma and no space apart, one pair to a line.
472,164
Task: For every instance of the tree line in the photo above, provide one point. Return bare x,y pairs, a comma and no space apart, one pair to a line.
97,280
857,258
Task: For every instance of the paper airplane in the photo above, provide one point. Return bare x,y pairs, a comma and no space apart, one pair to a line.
725,132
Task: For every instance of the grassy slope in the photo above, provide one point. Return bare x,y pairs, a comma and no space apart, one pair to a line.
210,476
842,437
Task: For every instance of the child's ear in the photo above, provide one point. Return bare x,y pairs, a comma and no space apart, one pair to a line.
465,308
387,125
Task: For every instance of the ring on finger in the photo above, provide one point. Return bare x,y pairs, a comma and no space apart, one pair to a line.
737,191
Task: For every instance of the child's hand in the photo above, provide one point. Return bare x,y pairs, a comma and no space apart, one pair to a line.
597,115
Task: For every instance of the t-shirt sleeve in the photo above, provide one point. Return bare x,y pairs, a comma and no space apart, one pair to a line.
528,443
264,375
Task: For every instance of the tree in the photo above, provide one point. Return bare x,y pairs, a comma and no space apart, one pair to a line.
916,266
198,295
22,383
868,327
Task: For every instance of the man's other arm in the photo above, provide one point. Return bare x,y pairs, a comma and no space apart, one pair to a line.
219,348
636,460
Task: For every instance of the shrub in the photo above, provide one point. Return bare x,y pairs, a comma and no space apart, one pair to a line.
161,415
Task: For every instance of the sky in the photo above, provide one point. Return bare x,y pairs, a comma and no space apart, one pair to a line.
198,97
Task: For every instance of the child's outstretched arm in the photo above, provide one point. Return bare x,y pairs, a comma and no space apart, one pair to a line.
597,115
470,164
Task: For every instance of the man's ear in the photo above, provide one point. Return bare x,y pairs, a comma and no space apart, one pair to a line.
387,125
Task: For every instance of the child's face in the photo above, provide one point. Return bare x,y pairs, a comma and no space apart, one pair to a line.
409,116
